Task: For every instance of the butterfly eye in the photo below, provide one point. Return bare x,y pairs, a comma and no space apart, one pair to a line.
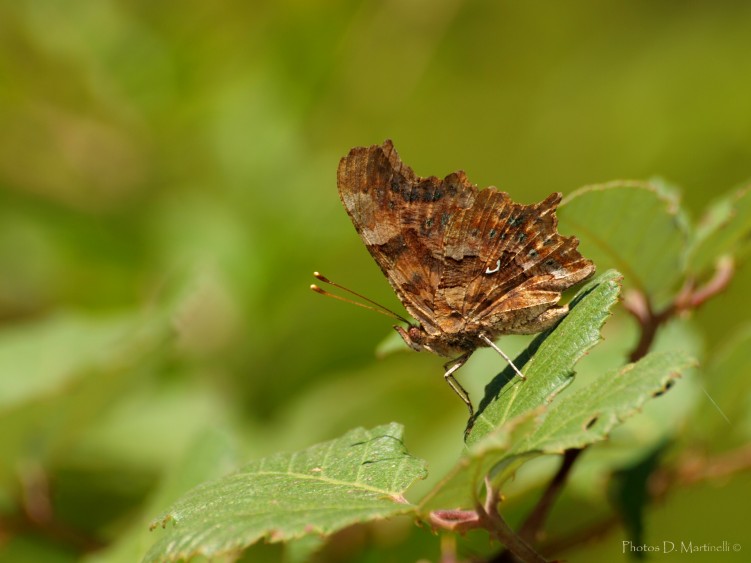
413,338
415,334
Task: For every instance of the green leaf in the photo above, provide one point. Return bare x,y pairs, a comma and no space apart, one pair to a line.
358,477
634,227
520,423
511,407
548,362
726,224
572,421
589,414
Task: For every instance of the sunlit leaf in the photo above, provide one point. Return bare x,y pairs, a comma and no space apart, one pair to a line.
358,477
572,421
548,363
589,414
510,407
518,420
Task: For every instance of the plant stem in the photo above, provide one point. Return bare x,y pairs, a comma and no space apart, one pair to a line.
533,525
689,298
502,531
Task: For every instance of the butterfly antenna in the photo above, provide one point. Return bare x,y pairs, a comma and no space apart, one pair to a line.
378,308
492,344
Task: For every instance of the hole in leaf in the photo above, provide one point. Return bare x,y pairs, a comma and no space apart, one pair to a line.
591,422
668,385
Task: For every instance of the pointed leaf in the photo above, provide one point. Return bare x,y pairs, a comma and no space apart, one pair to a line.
634,227
528,425
572,421
588,415
360,476
548,362
511,408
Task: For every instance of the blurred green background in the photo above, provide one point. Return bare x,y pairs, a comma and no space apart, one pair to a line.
167,186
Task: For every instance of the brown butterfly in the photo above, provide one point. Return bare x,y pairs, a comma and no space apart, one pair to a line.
469,265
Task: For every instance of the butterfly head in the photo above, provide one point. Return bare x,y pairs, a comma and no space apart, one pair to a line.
415,337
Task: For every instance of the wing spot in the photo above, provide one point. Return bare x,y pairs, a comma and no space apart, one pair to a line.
521,236
491,234
445,217
532,253
494,270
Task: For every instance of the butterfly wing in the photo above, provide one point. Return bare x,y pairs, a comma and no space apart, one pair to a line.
402,219
459,259
512,265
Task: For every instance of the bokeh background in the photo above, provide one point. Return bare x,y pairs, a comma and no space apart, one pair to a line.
167,186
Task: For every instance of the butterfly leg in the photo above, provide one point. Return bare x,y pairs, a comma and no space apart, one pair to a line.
490,343
450,368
